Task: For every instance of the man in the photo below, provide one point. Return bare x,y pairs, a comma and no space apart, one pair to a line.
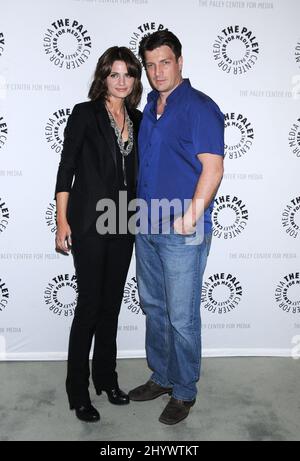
181,145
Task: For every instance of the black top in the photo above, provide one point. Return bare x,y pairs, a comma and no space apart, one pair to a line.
130,180
130,190
129,168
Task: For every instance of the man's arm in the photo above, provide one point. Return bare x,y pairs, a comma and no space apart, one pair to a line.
206,189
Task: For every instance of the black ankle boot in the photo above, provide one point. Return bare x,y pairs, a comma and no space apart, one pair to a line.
87,413
115,395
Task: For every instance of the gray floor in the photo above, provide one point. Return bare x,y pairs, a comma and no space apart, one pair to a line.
238,399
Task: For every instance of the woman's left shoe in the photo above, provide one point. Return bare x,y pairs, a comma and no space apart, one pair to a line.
115,396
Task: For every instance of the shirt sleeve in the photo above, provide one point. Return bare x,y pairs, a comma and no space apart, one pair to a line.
208,129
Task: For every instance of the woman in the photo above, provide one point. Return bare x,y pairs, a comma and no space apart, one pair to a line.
99,159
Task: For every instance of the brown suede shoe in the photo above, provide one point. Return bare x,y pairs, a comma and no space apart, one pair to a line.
176,411
148,391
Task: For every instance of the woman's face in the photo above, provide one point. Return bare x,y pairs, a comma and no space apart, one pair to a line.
119,82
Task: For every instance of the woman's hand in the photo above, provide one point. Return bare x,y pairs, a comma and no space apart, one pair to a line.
63,239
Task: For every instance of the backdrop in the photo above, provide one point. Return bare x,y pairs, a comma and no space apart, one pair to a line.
246,56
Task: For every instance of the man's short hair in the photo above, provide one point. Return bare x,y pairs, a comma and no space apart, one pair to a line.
157,39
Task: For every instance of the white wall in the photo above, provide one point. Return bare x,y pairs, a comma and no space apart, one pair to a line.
251,295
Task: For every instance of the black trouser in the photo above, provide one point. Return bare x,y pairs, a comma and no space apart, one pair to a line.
101,266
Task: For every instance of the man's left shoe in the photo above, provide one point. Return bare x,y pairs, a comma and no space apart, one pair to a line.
115,396
176,410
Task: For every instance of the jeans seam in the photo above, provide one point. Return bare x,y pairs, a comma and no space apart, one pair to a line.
196,274
167,329
167,342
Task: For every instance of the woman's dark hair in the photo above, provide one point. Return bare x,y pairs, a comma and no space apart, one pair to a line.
98,89
157,39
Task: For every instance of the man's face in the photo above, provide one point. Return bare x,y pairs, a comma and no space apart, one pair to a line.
163,70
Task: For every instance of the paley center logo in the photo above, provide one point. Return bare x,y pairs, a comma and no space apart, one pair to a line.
236,50
67,43
297,54
144,29
54,130
229,216
239,135
290,218
60,295
4,215
3,132
4,295
50,216
287,293
221,293
2,43
131,296
294,138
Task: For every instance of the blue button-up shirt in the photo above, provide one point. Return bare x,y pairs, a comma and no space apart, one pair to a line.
191,124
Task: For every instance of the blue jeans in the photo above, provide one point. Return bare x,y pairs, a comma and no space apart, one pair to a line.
169,273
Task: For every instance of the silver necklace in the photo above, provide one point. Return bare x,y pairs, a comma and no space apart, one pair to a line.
129,144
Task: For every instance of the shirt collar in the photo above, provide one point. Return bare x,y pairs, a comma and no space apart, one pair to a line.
180,89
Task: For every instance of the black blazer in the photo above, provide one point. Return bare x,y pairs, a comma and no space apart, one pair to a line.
88,166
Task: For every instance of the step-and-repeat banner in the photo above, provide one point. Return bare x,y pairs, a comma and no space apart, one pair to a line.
246,56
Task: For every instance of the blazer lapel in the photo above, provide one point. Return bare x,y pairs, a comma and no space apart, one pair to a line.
105,128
